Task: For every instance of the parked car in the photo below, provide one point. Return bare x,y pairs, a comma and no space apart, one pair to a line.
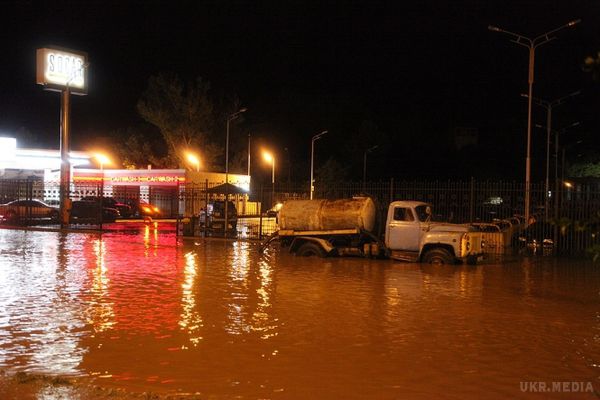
536,238
141,208
149,210
213,217
17,210
109,202
87,212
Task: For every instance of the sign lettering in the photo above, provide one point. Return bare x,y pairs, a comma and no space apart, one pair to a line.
59,69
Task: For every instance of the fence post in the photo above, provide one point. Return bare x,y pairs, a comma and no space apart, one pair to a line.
471,200
204,230
101,191
391,189
260,212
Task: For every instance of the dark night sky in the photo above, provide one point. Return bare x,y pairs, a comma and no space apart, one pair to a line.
416,68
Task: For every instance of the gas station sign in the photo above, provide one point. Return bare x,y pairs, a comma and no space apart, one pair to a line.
61,69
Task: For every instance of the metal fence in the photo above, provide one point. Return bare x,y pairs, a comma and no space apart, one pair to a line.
566,220
569,217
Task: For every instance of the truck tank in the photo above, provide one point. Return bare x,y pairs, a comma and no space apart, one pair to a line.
317,215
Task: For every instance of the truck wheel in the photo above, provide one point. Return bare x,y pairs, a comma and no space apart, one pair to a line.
309,249
472,260
438,256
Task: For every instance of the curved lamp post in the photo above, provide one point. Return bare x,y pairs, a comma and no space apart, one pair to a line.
549,105
557,134
102,159
531,44
312,160
270,158
230,118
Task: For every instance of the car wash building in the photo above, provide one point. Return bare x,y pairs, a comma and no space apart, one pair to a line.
35,173
173,191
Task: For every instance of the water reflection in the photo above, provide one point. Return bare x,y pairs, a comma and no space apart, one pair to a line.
191,320
250,294
262,320
213,316
100,312
238,296
40,322
151,238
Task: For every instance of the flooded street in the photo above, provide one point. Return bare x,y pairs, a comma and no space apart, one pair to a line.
213,317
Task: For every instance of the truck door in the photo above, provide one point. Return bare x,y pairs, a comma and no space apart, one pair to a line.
402,230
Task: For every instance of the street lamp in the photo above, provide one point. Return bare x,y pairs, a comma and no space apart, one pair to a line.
564,150
229,119
102,159
549,105
312,160
531,44
370,149
271,159
248,155
193,159
557,134
556,147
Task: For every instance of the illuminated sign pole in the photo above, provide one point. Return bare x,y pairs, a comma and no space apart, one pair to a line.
65,71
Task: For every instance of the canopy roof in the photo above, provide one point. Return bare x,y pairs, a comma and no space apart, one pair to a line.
227,188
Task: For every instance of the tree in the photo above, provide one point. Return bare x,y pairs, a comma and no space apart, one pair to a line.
134,148
585,170
184,115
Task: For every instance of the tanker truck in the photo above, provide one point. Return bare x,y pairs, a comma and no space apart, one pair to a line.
347,227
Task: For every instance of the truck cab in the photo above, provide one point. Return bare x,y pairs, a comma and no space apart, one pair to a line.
411,234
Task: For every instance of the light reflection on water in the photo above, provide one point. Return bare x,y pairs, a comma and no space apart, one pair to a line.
215,317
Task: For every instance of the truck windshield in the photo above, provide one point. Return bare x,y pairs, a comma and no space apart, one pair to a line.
424,212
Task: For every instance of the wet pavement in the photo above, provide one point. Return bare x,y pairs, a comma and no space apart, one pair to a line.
141,311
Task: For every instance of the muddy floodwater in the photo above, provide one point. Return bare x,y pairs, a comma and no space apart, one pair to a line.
212,318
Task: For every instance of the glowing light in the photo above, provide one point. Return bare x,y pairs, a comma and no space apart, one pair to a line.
61,69
268,157
193,159
8,146
102,159
11,157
